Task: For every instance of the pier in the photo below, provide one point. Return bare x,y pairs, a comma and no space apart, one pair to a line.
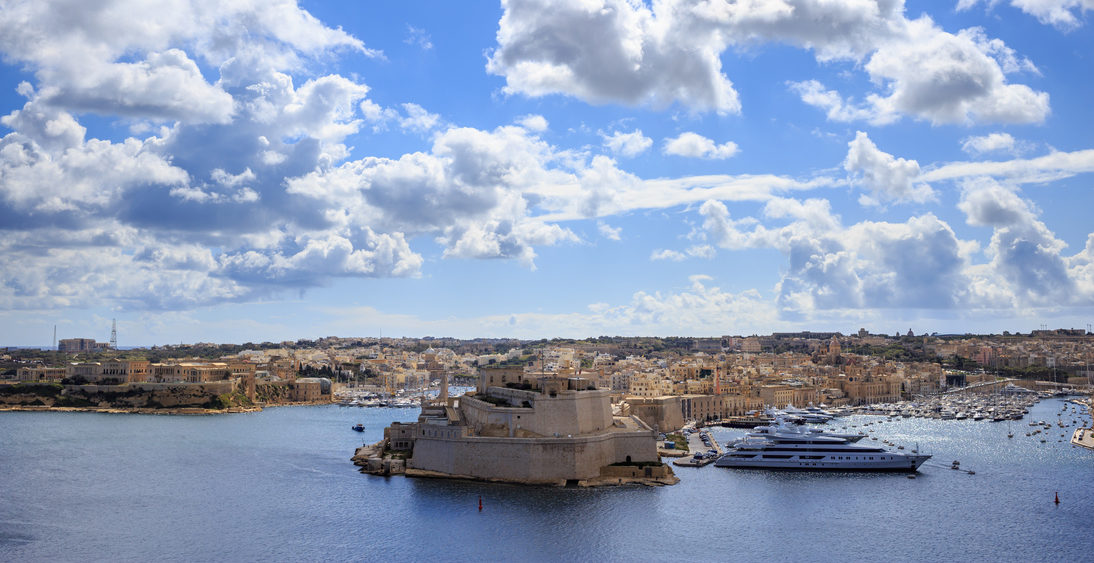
1083,437
696,445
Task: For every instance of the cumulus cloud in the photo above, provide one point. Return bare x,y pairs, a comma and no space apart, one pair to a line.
1063,14
697,146
886,177
197,212
93,60
671,52
533,122
637,57
1026,257
940,77
418,119
468,191
627,144
836,108
916,264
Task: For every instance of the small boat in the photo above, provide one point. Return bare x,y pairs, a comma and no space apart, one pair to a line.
358,427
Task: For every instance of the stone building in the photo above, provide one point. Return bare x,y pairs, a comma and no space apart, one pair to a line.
534,428
40,373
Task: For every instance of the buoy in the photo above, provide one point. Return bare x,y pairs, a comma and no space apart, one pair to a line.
1057,497
480,503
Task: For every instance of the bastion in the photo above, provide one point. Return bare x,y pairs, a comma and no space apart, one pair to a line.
541,429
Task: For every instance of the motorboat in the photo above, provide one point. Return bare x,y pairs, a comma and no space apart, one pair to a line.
358,427
806,415
780,424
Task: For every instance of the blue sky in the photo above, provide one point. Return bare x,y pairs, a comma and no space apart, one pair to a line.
248,171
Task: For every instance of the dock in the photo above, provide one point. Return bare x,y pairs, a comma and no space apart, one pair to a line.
1083,437
695,444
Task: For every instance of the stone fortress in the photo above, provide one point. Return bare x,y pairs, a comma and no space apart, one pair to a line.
533,428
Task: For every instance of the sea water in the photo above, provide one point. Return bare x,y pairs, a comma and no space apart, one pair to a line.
278,485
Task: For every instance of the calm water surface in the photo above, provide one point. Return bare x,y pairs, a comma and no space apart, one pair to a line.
279,485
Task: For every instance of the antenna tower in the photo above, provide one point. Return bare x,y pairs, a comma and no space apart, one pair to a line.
55,337
114,334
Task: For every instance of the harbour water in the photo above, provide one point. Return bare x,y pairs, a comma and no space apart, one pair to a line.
278,485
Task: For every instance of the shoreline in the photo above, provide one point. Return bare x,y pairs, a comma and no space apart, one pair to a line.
195,411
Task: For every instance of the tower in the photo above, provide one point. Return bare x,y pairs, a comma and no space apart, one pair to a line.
114,334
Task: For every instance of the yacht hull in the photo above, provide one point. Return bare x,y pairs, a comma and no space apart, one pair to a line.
883,462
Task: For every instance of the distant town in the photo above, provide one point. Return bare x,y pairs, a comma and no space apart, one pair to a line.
710,378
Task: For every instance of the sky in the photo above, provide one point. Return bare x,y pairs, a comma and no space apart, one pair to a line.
265,170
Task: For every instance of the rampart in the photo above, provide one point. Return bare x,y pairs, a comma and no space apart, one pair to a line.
567,413
529,460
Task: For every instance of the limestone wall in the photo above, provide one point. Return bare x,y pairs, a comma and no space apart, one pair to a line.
569,413
531,460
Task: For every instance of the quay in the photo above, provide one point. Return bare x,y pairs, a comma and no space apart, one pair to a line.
1084,437
696,444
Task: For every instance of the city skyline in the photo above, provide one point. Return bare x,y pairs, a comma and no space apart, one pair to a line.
234,173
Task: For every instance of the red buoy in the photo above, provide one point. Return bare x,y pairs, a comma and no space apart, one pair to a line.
1057,499
480,502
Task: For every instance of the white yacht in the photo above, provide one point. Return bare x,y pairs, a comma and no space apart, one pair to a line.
779,424
789,448
807,415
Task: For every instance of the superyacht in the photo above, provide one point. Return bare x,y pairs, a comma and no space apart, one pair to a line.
789,448
779,423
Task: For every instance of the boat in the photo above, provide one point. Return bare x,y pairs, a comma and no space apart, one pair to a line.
805,415
779,423
358,427
794,448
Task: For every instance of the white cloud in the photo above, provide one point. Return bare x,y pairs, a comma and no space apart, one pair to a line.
637,56
697,146
940,77
1052,166
836,108
418,119
992,142
93,60
698,251
916,264
1026,257
886,177
377,115
609,232
467,192
627,144
533,122
213,179
671,52
1063,14
419,37
948,78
